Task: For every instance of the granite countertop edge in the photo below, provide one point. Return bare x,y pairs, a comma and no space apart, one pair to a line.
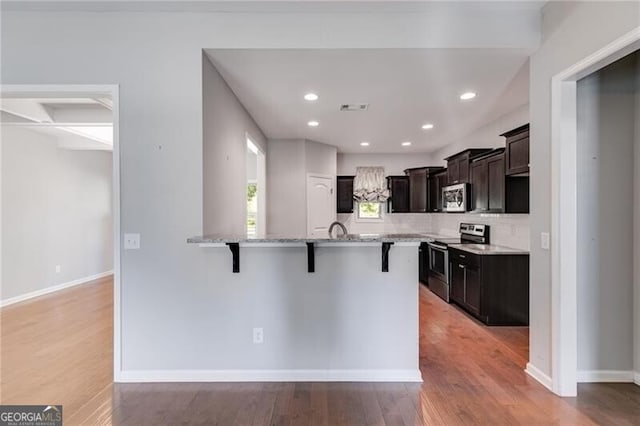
490,249
353,238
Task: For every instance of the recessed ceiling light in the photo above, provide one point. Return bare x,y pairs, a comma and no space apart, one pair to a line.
311,97
427,126
364,143
467,95
407,143
313,123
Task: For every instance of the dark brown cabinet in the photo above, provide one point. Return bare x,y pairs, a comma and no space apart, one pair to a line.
422,196
458,165
399,200
517,151
344,194
494,192
488,183
435,182
493,288
417,190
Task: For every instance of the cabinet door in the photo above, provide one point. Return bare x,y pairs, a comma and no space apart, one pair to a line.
479,186
344,194
399,201
423,263
453,171
435,183
463,169
496,184
472,289
418,190
456,281
517,154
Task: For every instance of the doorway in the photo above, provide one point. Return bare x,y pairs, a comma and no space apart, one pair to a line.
70,120
321,207
567,261
256,191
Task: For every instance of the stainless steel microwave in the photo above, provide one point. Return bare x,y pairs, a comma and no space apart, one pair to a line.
455,198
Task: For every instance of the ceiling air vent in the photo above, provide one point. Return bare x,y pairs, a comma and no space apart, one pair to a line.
354,107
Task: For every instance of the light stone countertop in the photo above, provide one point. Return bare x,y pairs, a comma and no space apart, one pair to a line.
488,249
355,238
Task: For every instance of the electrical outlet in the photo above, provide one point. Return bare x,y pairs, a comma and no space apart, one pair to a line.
131,241
545,240
258,335
58,269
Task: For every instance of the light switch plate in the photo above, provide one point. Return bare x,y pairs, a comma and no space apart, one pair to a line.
545,240
131,241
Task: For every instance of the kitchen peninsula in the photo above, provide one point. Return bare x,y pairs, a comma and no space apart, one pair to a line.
325,307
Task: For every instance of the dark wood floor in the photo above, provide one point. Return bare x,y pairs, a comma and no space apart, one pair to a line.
57,349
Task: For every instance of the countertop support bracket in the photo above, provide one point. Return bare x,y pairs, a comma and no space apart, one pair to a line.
311,257
385,256
235,251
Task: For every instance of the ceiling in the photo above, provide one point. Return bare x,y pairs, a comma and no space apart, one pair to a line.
75,123
405,88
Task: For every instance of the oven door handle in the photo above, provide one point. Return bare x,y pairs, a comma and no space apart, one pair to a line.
436,246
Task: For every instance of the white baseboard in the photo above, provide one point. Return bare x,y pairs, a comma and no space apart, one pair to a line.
537,374
605,376
636,378
150,376
52,289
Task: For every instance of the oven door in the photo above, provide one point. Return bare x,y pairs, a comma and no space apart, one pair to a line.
439,262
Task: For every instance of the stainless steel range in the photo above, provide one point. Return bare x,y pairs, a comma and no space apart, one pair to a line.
438,250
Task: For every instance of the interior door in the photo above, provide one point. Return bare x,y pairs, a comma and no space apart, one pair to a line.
321,209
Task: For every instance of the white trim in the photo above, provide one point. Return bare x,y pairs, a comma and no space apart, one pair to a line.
636,378
149,376
605,376
91,90
564,209
53,289
538,375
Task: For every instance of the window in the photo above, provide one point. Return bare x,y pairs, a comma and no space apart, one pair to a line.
252,208
369,212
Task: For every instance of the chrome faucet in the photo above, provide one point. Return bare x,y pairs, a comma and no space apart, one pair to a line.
334,224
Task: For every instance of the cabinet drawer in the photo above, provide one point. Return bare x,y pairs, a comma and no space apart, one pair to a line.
464,258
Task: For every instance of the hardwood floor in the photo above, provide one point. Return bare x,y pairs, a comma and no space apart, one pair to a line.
57,349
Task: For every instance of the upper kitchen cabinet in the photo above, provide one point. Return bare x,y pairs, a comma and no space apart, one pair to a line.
458,165
399,200
419,188
488,182
492,191
435,182
344,194
517,151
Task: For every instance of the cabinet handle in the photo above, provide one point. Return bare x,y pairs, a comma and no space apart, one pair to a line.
463,256
461,266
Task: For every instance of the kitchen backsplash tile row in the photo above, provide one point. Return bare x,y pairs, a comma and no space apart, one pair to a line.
510,230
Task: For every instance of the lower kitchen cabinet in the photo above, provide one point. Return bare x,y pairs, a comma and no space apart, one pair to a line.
493,288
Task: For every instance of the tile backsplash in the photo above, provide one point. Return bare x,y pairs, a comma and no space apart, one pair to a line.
510,230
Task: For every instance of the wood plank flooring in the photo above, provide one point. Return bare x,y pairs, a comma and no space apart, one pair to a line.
58,349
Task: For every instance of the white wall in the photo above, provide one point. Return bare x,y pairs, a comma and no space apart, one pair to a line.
571,31
56,210
487,136
172,292
226,124
394,164
606,132
288,163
